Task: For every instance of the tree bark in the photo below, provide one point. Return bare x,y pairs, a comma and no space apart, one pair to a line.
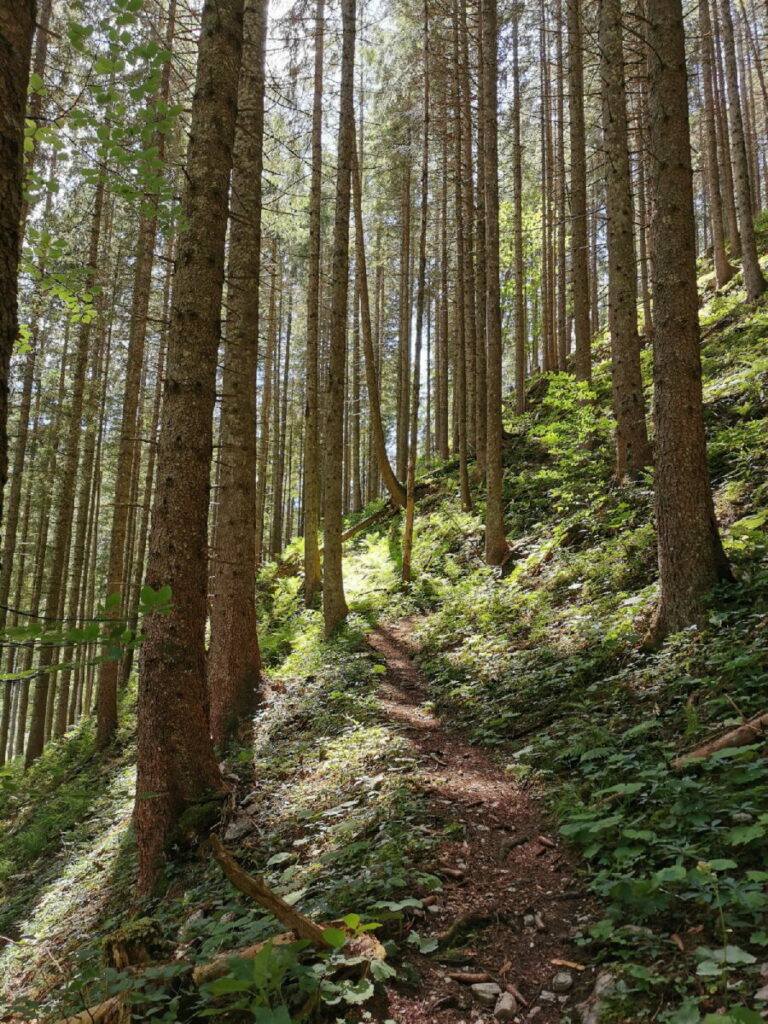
754,282
691,557
724,271
633,452
17,26
178,785
312,569
496,547
234,662
579,246
393,485
334,601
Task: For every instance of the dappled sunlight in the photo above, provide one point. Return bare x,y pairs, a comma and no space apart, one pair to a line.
73,895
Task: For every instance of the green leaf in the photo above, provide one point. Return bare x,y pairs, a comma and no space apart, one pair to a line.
335,937
744,834
736,1015
675,873
360,992
381,970
426,944
722,864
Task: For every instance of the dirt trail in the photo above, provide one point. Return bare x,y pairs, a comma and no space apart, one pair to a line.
505,866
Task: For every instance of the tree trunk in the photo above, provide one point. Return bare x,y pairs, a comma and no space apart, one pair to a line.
334,601
633,452
410,508
17,25
496,547
178,785
395,488
754,281
691,557
312,570
234,663
723,269
579,246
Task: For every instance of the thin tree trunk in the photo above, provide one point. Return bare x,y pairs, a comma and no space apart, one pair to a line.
633,451
496,547
754,281
579,246
410,508
334,601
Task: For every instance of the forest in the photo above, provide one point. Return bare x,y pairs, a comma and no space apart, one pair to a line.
384,511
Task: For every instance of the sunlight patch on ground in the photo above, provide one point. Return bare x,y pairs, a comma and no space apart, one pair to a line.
74,899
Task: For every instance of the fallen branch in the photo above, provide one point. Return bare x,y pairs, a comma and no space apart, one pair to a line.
750,732
112,1011
301,926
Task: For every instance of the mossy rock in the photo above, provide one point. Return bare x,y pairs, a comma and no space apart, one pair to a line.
137,942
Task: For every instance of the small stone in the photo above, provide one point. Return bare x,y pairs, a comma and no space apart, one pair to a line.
761,995
434,908
238,830
562,982
547,997
486,993
533,1012
506,1007
742,818
529,921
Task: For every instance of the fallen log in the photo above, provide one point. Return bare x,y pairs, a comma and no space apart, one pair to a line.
302,927
111,1011
749,732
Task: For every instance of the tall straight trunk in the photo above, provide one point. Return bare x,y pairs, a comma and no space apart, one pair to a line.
723,269
312,569
460,357
410,508
404,324
517,177
442,402
633,451
496,547
128,450
17,25
88,467
724,145
355,407
273,333
234,663
66,497
281,415
691,558
754,281
178,785
579,246
468,199
334,601
372,379
480,284
561,199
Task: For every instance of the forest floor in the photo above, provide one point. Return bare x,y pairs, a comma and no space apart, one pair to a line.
509,886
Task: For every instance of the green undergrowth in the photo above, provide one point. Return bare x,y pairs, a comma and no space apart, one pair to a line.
324,806
547,663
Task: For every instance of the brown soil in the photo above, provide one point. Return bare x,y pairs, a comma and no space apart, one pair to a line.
506,866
